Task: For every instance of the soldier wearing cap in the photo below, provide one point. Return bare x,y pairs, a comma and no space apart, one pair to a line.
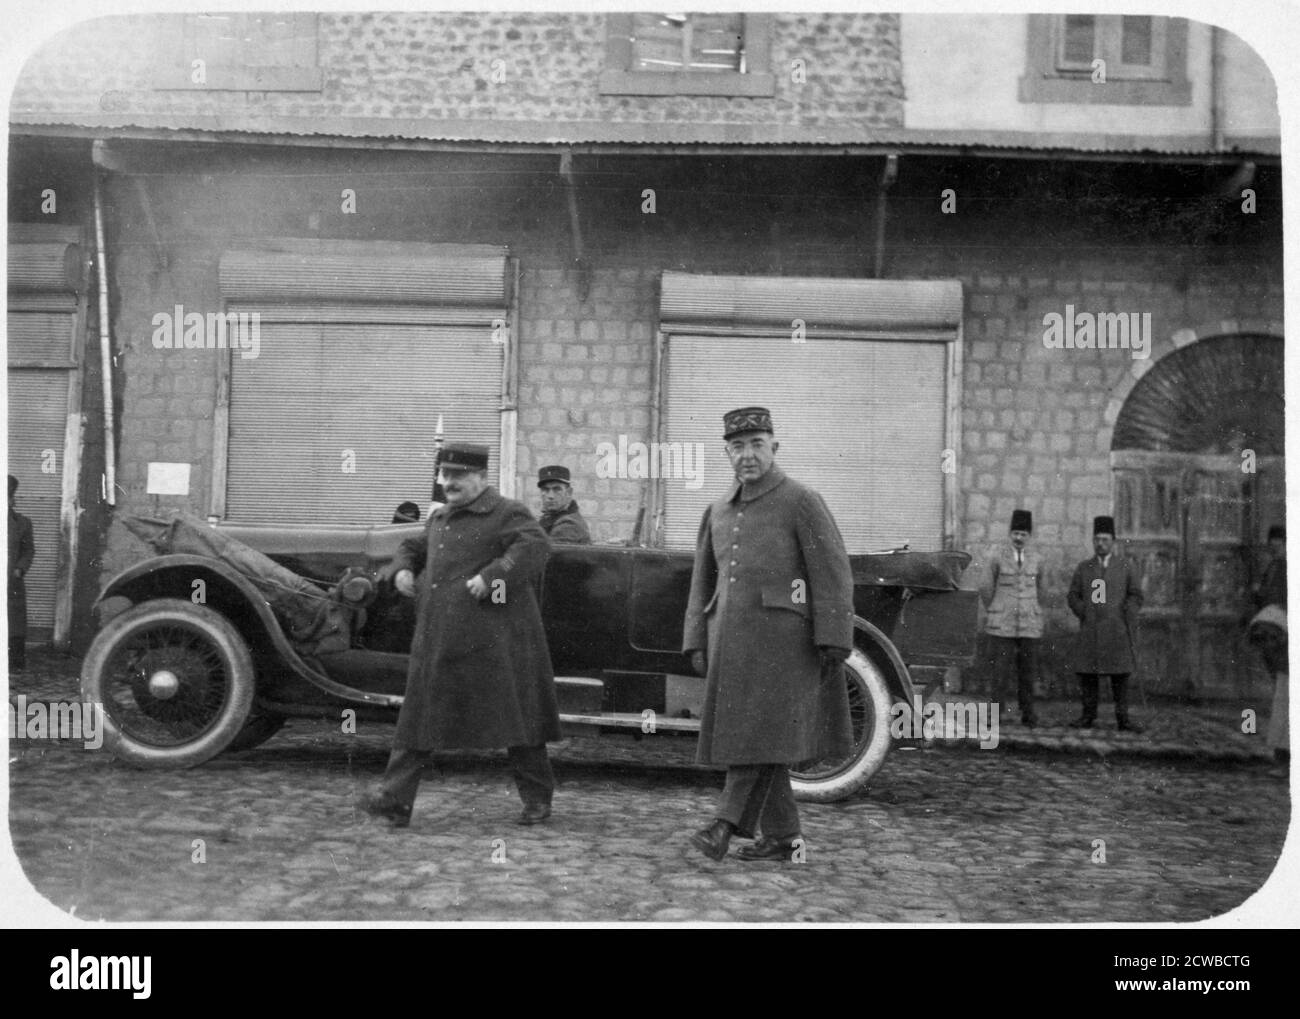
1015,617
480,670
770,623
561,519
1105,595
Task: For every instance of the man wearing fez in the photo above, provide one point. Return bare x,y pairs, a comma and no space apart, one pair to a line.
770,623
1268,630
480,671
560,517
1015,619
1105,596
22,549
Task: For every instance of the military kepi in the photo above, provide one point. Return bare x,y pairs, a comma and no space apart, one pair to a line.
464,456
553,473
746,419
1022,520
1103,525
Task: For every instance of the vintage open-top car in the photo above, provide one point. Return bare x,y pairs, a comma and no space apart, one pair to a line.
232,628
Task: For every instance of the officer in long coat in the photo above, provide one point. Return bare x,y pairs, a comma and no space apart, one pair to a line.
1105,596
770,623
480,671
22,550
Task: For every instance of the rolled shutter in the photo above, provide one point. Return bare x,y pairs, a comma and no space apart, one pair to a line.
860,417
334,419
41,343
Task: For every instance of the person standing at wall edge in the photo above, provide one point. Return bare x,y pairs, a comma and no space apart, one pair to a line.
22,550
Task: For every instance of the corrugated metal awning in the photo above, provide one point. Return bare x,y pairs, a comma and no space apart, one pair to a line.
760,137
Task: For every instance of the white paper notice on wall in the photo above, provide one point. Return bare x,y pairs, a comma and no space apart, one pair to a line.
169,479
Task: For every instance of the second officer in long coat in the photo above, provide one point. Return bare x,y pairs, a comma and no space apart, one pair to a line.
480,670
770,622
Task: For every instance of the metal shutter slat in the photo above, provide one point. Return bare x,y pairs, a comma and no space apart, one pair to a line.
315,391
38,401
40,336
861,422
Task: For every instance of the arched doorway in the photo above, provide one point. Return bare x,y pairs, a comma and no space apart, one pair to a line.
1197,454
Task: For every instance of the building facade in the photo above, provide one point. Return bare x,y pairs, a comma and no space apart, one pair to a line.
580,238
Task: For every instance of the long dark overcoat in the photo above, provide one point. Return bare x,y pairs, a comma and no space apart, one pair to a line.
771,582
480,672
22,550
1106,601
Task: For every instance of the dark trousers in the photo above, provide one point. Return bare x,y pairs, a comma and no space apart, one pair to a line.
758,797
17,621
530,765
1018,657
1118,690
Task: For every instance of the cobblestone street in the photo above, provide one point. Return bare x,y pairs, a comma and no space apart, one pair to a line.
941,835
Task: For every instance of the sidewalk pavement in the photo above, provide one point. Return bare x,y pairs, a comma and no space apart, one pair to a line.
1210,731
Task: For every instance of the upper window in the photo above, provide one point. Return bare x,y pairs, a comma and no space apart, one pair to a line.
1106,58
243,52
688,54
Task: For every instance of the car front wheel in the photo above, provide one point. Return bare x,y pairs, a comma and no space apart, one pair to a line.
835,778
175,680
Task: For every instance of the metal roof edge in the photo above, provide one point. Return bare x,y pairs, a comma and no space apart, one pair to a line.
635,136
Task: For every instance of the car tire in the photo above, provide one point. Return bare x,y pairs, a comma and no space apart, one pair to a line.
870,701
256,731
175,680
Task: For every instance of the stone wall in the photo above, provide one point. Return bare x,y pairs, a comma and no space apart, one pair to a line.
1035,428
539,67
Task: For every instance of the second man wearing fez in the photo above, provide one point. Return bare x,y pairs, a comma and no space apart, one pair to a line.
770,623
480,670
1015,616
560,517
1105,596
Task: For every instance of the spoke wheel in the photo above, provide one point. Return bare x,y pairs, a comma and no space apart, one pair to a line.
835,778
175,680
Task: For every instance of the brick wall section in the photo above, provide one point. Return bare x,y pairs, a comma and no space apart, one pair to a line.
1033,433
440,66
585,380
1032,417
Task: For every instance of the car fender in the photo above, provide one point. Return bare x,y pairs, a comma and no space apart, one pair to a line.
873,643
173,576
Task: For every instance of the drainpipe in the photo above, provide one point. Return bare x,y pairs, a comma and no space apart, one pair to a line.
1216,88
887,178
105,337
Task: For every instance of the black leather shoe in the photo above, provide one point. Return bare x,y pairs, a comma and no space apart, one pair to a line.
383,806
713,840
1082,723
534,813
1124,725
769,849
